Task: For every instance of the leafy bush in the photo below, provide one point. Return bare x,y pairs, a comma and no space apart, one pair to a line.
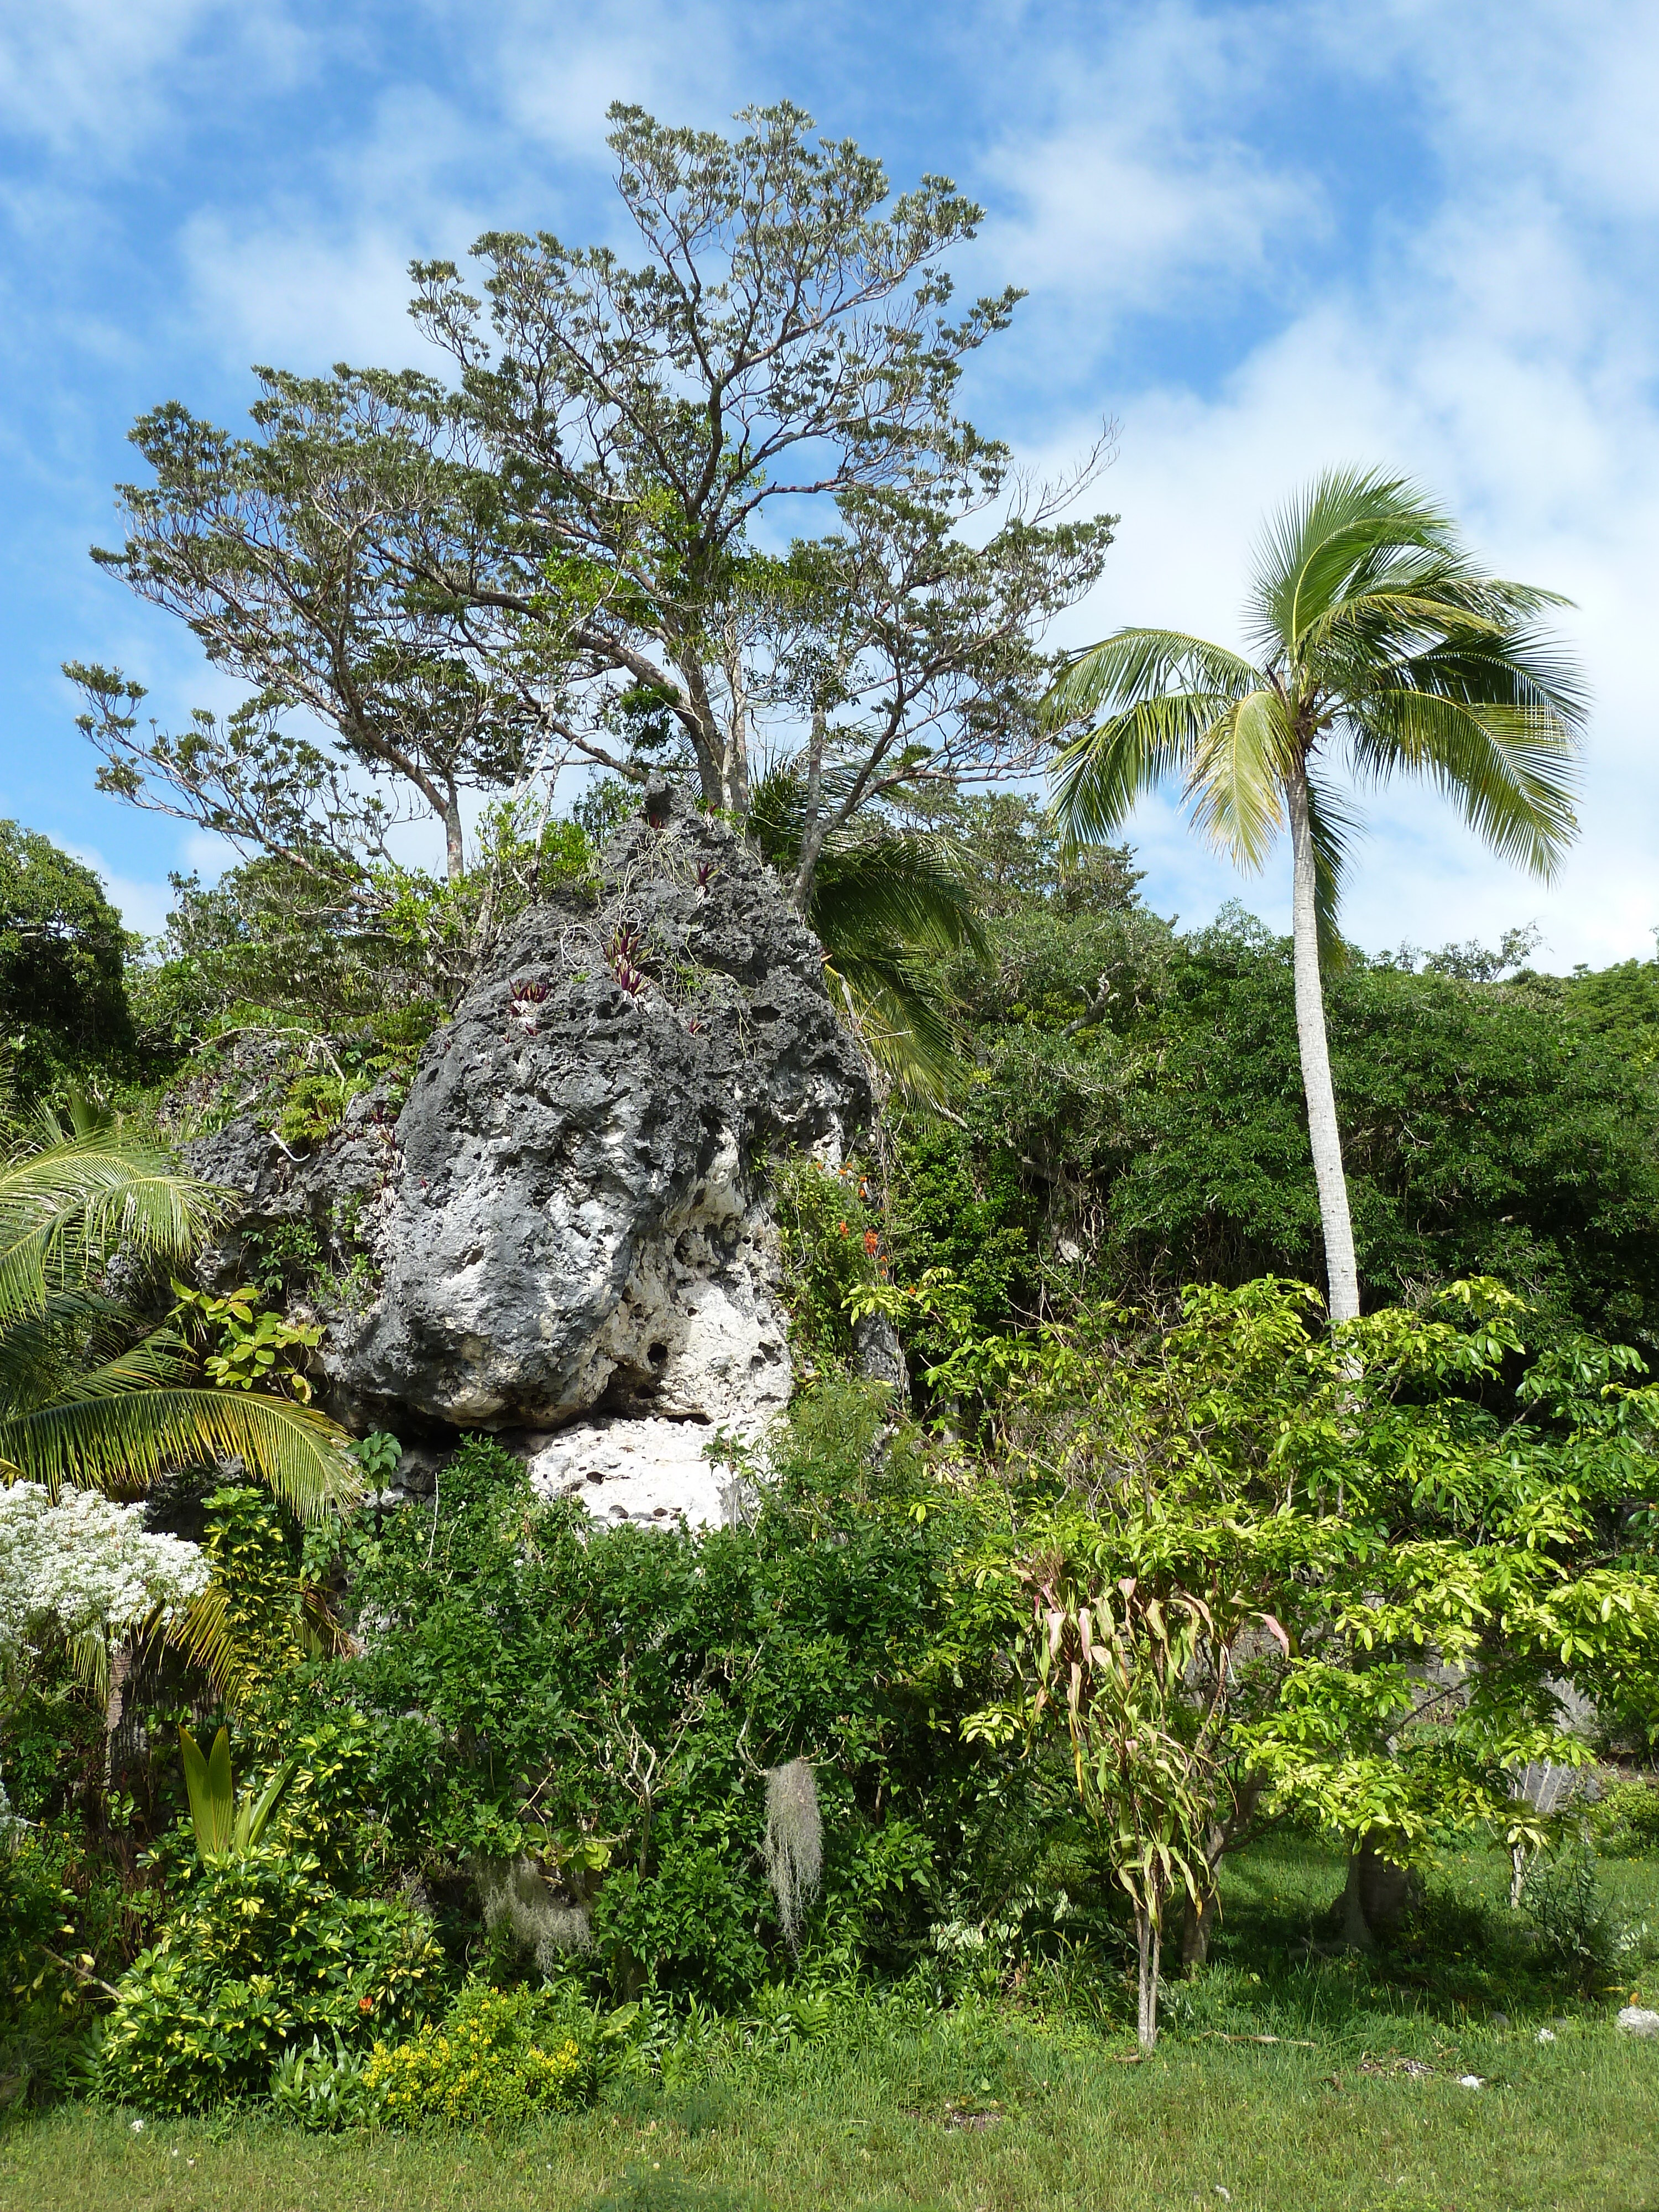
45,2017
603,1706
497,2058
831,1233
1568,1911
1625,1819
260,1954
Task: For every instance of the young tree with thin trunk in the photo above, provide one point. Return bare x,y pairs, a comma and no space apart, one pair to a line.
1376,640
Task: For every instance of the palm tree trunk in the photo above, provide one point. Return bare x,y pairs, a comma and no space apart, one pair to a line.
1343,1275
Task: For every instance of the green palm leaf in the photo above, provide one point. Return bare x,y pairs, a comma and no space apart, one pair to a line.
886,903
1509,770
64,1206
121,1441
85,1399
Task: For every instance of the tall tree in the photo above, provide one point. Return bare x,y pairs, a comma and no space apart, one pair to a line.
557,559
1376,637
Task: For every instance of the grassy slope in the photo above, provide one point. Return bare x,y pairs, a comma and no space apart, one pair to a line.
1324,2120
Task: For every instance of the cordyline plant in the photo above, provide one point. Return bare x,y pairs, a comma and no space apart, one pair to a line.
1212,1638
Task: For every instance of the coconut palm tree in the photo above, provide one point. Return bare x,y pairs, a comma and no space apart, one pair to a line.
1377,640
91,1398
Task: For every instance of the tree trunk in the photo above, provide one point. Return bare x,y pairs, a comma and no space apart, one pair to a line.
1148,1946
115,1713
735,763
1197,1928
1374,1896
1341,1273
454,847
811,834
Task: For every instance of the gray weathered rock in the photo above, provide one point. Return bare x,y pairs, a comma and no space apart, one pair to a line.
569,1218
1637,2019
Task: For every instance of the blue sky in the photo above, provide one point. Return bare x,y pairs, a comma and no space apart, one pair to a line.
1260,237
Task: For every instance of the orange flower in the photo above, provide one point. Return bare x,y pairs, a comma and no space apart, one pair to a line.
872,1243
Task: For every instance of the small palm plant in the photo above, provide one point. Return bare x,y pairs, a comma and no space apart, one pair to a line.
92,1399
227,1827
1373,632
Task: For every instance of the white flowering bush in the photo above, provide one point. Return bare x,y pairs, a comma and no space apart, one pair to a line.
82,1565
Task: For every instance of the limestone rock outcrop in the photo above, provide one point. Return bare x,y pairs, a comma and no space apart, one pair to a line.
569,1216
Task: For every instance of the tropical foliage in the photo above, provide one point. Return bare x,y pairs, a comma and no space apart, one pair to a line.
1097,1558
90,1397
1375,636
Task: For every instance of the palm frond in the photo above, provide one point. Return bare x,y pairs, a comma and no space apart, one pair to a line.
1134,665
41,1357
120,1440
1512,770
1335,826
1334,537
64,1207
903,884
1235,783
1099,776
154,1361
894,1009
886,903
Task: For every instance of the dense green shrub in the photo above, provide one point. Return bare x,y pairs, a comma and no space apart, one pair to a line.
1625,1819
46,2012
1496,1128
830,1227
605,1704
260,1952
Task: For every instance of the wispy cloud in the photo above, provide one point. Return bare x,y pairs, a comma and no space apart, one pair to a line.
99,77
1126,177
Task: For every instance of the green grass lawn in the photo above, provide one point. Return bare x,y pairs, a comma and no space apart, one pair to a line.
1357,2105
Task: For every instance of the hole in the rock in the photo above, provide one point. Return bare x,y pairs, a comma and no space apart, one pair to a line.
658,1354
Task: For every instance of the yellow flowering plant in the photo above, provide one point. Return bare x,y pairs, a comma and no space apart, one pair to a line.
498,2056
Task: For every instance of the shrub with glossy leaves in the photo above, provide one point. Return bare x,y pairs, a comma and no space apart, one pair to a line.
260,1954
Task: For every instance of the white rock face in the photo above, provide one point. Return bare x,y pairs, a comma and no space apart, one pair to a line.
1636,2020
651,1470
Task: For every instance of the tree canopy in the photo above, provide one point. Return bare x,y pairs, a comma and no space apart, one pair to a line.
62,959
578,551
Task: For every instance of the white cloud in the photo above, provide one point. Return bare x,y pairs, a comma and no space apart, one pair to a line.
100,77
1143,183
144,907
1557,90
556,76
1500,351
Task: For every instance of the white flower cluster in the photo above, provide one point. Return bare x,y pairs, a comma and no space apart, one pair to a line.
84,1564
